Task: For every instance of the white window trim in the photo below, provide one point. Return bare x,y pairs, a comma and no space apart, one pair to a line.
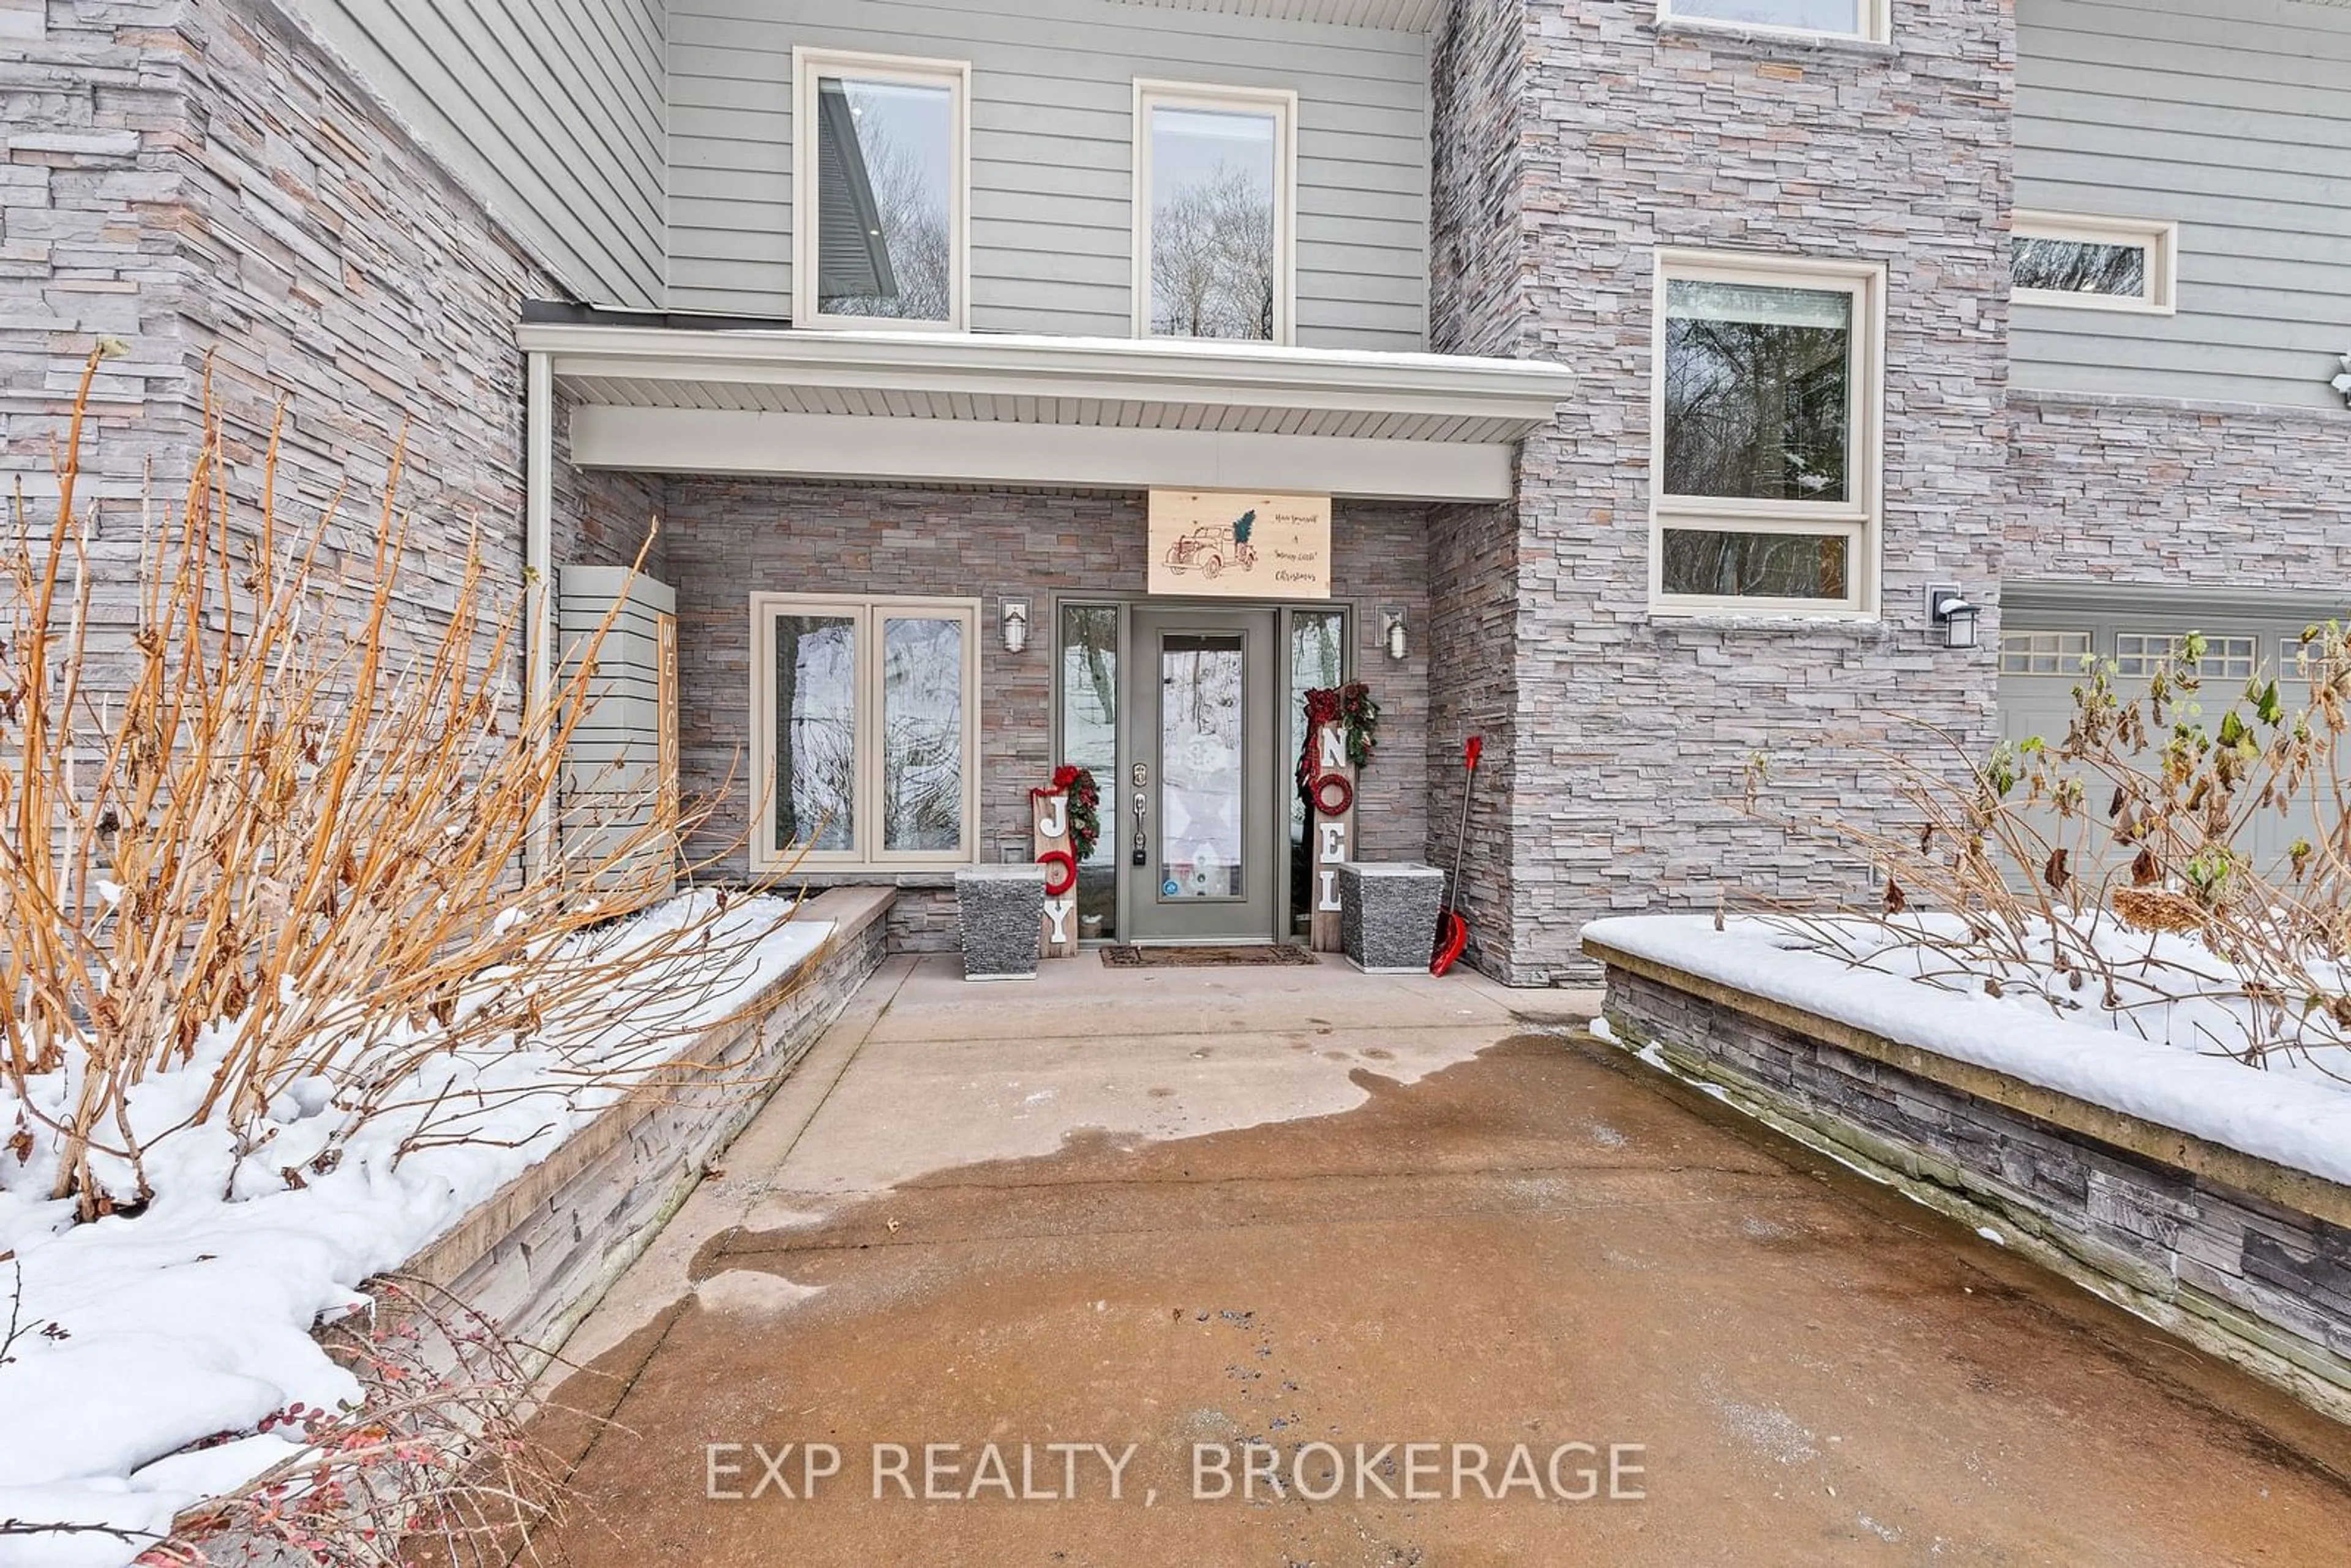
808,64
869,611
1874,16
1150,93
2159,236
1860,518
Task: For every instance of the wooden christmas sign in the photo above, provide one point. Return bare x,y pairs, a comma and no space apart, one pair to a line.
1332,832
1049,811
1066,819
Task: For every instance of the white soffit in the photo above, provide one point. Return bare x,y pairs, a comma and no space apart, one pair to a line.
1399,15
1036,456
910,403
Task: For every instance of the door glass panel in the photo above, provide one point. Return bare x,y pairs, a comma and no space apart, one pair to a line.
1318,648
816,730
1089,740
1200,765
922,732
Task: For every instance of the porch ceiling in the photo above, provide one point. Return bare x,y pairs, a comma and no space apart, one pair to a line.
1037,409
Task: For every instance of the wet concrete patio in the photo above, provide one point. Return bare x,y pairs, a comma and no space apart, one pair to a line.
1197,1212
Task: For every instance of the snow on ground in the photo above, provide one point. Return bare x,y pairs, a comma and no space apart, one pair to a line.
2155,1059
137,1336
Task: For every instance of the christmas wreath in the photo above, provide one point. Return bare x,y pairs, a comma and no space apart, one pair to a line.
1077,786
1353,709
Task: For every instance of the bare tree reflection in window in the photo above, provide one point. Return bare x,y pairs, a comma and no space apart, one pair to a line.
922,732
816,744
1758,392
884,156
1212,240
2078,267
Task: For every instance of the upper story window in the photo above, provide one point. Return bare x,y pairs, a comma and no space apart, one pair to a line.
1215,177
1765,460
881,178
1848,18
2104,264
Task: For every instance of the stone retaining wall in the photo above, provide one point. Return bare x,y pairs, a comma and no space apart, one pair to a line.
544,1249
2243,1257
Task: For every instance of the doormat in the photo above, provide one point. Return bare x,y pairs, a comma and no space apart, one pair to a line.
1127,956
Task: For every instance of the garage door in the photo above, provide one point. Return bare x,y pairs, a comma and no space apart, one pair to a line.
2046,634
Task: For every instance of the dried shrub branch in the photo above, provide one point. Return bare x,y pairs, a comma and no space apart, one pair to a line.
265,839
2159,868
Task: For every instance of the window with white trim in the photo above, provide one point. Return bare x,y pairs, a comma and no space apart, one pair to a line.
2092,262
1845,18
1214,212
881,185
2040,652
866,714
1765,457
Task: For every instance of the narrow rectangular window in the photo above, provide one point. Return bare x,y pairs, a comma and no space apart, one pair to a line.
1766,447
816,730
2224,658
922,663
1845,18
1215,203
2092,262
1318,658
1089,740
866,748
2034,652
880,188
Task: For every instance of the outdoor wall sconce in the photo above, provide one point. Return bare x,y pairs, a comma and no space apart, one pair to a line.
1948,608
2341,383
1015,616
1391,634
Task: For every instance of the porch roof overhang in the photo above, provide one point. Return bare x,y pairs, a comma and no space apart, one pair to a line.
1053,413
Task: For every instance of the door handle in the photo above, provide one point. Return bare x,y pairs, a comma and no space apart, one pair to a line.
1141,774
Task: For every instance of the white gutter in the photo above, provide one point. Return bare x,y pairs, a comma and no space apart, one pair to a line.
1523,393
539,582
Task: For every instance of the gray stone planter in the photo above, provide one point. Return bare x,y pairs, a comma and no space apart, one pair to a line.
1387,916
1001,911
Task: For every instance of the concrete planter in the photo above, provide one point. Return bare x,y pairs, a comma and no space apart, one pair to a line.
539,1253
2240,1256
1001,911
1387,916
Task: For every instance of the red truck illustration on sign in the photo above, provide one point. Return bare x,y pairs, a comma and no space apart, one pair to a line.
1211,547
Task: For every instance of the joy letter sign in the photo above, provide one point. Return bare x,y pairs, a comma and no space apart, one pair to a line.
1049,816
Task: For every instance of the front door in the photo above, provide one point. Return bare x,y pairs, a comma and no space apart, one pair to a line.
1198,797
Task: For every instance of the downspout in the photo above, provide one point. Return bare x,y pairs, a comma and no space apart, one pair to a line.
539,585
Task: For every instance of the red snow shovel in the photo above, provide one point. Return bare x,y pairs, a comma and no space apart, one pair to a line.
1452,926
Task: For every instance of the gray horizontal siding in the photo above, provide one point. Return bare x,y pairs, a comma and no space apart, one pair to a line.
552,111
1052,150
611,760
2232,117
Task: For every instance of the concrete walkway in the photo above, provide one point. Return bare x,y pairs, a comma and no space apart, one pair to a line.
1302,1217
